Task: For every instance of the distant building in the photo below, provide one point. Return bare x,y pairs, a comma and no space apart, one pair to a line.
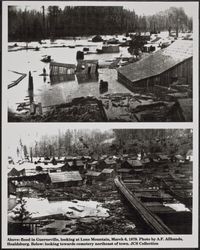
107,163
92,177
130,163
61,69
110,49
162,158
68,178
189,155
160,68
177,158
13,172
87,67
107,173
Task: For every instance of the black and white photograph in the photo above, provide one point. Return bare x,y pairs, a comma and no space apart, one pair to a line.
76,62
100,124
100,182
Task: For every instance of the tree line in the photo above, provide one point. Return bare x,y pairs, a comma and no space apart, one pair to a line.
116,141
54,22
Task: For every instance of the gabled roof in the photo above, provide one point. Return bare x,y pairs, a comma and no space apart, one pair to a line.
163,157
134,163
65,176
110,161
179,157
64,65
13,172
158,62
93,163
107,171
93,173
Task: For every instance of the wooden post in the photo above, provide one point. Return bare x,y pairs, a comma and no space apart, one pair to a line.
30,82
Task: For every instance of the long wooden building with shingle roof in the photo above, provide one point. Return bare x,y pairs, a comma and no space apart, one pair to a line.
161,67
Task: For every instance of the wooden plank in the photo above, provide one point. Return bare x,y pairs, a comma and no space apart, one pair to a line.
148,217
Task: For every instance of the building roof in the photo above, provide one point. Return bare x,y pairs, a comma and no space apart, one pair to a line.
93,163
65,65
92,61
13,172
107,171
179,157
123,170
65,176
110,161
156,39
163,157
93,173
134,163
158,62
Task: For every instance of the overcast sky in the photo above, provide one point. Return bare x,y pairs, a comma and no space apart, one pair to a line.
31,133
146,8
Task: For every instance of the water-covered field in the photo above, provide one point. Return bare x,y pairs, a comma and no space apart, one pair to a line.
51,93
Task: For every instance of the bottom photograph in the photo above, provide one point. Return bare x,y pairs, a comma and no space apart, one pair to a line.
100,182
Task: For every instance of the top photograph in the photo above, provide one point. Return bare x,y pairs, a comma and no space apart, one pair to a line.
116,62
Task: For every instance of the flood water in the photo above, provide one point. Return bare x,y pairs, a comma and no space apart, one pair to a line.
51,93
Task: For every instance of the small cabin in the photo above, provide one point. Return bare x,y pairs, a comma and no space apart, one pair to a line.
63,179
92,177
109,49
107,173
61,69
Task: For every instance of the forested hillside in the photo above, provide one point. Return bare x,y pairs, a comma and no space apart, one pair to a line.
54,22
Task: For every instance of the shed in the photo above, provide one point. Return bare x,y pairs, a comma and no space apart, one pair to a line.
87,67
61,69
92,177
13,172
93,165
110,48
68,178
160,67
107,172
162,157
133,164
178,158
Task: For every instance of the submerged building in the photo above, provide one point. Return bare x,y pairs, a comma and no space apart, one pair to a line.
163,67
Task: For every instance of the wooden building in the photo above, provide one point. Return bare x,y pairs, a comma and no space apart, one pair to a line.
62,179
136,166
160,68
13,172
110,49
87,67
107,173
92,177
61,69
